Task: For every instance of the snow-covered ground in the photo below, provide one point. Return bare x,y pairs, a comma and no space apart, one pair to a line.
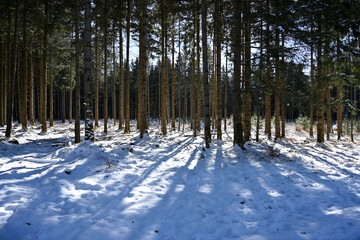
124,187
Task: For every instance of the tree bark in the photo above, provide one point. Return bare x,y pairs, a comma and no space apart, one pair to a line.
114,78
9,105
277,85
121,77
127,112
163,66
51,93
70,91
89,125
77,72
96,75
105,71
173,79
247,73
25,73
312,83
283,87
268,79
218,27
320,88
43,99
237,101
205,73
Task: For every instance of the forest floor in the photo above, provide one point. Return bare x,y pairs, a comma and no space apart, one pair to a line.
168,187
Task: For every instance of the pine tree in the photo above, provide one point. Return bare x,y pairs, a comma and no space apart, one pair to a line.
89,125
205,73
237,101
77,73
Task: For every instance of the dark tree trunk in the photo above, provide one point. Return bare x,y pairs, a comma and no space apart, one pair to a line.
205,73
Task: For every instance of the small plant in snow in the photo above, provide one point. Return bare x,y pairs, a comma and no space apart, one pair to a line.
302,123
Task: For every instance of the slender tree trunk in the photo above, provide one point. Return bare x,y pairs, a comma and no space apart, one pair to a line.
77,73
127,112
237,103
351,115
114,79
179,80
89,125
173,80
2,82
63,104
207,134
198,68
218,27
19,88
163,66
31,91
312,83
268,79
226,88
277,85
282,72
105,72
9,105
339,95
96,76
70,91
121,78
247,73
320,89
143,69
213,88
43,100
328,111
25,73
51,93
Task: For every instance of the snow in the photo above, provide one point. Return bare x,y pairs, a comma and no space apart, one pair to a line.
170,187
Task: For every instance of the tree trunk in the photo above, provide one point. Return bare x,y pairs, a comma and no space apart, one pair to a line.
207,134
247,73
2,82
43,99
218,27
179,80
339,95
312,83
77,73
89,125
198,68
96,76
282,72
328,111
127,112
320,89
237,103
173,80
31,91
268,79
163,66
114,79
277,85
105,72
51,93
143,70
9,105
70,91
25,73
226,88
63,104
121,78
